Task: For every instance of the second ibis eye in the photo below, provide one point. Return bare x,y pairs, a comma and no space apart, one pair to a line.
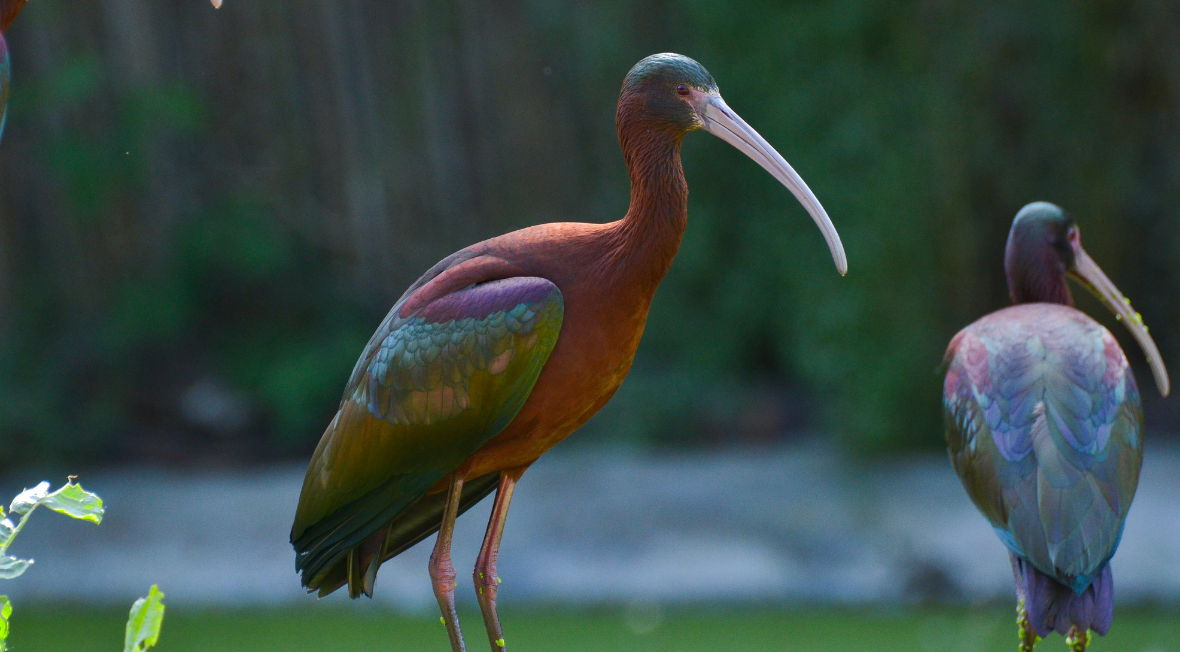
682,89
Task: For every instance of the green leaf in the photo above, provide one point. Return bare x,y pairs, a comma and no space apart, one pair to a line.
5,612
143,626
6,530
73,500
29,498
11,567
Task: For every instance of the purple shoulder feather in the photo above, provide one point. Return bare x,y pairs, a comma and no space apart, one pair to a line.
479,301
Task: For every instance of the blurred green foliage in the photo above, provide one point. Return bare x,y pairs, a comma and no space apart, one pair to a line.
235,215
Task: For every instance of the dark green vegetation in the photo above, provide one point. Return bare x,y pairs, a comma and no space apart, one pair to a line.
229,201
323,629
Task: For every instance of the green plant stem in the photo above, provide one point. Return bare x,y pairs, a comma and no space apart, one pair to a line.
16,530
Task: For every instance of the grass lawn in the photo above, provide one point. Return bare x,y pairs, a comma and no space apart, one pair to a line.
44,629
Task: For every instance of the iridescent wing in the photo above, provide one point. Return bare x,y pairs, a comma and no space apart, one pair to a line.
430,389
1043,423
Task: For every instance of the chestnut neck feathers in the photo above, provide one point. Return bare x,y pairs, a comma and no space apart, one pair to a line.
647,238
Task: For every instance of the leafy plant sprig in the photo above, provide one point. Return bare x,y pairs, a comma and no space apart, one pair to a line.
143,626
71,500
147,614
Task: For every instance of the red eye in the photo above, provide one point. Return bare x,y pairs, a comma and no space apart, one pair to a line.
682,89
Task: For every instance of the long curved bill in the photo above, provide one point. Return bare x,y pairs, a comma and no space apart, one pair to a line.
1087,272
722,122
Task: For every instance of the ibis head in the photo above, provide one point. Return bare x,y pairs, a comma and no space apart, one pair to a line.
671,94
1044,248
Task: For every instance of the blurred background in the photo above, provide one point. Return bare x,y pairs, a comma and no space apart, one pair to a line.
204,215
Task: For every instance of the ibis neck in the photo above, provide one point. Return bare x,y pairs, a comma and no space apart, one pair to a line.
1042,282
646,240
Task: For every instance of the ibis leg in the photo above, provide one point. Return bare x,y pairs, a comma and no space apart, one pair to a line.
1027,635
487,583
442,571
1077,640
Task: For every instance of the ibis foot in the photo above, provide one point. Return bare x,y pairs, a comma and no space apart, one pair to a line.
487,582
1024,630
1028,637
442,571
1077,640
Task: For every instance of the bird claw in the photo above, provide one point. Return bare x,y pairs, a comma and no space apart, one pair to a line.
1028,637
1076,640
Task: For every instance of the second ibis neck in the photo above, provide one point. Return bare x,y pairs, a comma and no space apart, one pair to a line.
1037,279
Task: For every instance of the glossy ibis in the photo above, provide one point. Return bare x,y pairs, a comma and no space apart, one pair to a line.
1045,429
502,350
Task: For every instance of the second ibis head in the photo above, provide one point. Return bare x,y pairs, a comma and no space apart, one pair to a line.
1044,249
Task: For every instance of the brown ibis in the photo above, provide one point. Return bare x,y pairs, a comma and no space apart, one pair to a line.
503,349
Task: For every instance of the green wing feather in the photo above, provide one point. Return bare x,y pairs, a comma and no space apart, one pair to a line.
429,390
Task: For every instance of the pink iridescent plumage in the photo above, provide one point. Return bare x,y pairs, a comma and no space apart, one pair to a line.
1044,427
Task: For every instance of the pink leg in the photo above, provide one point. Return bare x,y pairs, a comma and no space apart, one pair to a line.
442,572
487,583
